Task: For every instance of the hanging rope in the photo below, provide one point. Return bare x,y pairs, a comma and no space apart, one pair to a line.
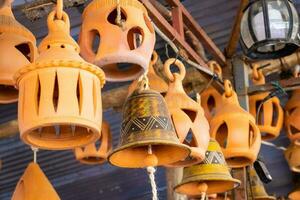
151,173
59,9
35,150
119,20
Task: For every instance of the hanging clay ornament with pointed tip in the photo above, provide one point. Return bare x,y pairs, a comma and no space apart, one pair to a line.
34,185
17,49
210,97
60,94
270,116
235,130
187,116
119,38
91,154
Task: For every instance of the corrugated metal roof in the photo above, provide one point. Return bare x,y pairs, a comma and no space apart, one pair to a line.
75,181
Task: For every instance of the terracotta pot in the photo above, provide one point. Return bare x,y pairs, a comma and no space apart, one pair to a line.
270,116
292,155
60,94
211,99
295,194
187,115
235,130
131,42
18,49
91,154
34,185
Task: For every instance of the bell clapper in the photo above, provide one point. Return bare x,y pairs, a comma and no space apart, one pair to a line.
202,187
151,161
35,150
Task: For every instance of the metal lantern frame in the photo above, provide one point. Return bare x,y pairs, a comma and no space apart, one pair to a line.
291,41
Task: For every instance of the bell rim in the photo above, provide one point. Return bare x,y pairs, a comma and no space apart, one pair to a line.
265,197
148,142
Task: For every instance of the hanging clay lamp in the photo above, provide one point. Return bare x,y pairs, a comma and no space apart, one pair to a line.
210,98
91,154
257,187
235,130
17,49
60,94
187,115
118,37
147,134
155,82
292,116
270,116
295,194
292,155
34,185
211,176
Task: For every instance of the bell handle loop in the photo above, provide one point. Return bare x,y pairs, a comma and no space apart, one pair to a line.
215,67
154,58
167,69
59,9
52,17
228,88
143,82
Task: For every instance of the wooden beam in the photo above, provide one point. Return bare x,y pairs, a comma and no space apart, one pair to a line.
235,32
177,21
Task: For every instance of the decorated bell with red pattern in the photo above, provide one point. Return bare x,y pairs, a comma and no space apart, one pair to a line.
17,49
187,115
270,116
210,98
60,94
235,130
118,37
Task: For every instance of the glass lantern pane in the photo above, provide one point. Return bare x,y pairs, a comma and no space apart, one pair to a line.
295,21
279,18
245,33
256,12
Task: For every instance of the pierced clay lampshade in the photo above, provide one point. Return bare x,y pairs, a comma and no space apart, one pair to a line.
292,155
91,154
187,116
235,130
60,94
210,98
147,123
17,49
111,44
213,172
270,116
34,185
155,82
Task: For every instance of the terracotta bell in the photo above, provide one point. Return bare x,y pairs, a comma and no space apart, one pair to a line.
92,154
210,98
270,117
18,49
212,172
119,38
187,115
60,94
295,194
235,130
147,134
34,185
292,116
155,82
292,155
257,187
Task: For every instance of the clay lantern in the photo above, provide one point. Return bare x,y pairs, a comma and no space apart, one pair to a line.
235,130
18,49
118,37
190,124
60,94
270,116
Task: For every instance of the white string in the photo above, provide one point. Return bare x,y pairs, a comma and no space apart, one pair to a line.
273,145
203,196
151,171
35,150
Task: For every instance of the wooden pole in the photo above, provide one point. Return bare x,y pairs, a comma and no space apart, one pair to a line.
174,176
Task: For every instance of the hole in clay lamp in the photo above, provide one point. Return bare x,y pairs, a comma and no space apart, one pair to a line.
190,113
222,135
24,48
135,38
113,16
294,130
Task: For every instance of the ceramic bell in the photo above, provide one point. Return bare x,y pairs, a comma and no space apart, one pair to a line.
119,38
155,82
147,134
187,116
34,185
60,94
17,49
210,98
235,130
292,155
212,172
295,194
258,191
270,116
92,154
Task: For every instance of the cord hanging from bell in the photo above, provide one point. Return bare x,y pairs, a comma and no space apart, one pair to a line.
34,150
119,21
151,160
